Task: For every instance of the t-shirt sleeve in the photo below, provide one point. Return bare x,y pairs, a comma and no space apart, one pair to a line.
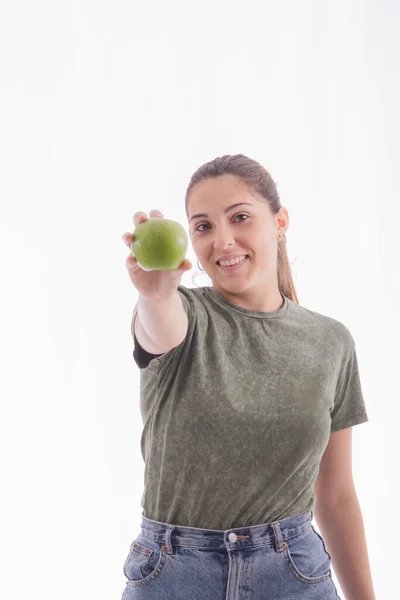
141,357
349,407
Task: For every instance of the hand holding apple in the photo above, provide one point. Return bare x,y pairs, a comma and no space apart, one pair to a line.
159,247
159,244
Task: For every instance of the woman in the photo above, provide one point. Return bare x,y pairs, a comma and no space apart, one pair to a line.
241,390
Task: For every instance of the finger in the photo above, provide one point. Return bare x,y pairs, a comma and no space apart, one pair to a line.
131,263
139,217
127,239
186,265
156,214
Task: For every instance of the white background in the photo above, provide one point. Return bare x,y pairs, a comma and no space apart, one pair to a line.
107,108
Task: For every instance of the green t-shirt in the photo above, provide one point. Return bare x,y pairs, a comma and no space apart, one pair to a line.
237,417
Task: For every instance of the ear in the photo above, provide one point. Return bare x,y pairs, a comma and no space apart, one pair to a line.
282,219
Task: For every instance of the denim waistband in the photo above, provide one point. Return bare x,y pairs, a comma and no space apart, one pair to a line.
254,535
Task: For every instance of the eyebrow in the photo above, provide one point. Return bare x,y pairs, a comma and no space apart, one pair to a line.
225,211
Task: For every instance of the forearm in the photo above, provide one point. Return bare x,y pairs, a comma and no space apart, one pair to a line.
164,323
342,528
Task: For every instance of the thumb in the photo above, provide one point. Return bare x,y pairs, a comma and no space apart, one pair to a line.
186,265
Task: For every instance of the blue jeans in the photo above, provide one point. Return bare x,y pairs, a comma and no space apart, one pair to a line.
272,561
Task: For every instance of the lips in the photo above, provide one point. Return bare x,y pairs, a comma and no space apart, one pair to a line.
230,257
231,269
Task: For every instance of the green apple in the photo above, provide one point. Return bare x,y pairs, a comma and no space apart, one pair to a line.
159,244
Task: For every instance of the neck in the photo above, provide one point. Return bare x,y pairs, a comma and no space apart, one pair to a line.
258,301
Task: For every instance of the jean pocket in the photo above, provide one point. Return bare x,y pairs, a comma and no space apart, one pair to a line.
144,562
307,557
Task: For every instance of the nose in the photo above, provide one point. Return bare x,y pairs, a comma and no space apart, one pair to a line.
223,238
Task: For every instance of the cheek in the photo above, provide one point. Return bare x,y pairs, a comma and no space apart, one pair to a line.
200,246
264,245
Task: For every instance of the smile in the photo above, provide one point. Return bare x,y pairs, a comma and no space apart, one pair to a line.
233,265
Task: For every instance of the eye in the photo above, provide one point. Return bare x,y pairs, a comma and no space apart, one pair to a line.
201,225
235,217
242,215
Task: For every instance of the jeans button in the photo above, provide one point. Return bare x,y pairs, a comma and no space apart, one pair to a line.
232,537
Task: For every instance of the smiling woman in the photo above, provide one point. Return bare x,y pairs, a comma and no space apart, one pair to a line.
230,219
226,260
246,411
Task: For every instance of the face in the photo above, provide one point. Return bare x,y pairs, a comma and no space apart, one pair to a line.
227,221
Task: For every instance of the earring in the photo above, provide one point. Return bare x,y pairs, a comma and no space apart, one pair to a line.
282,238
199,267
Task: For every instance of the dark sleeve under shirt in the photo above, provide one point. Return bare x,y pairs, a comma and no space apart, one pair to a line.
140,355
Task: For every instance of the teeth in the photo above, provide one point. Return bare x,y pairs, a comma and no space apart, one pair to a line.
233,261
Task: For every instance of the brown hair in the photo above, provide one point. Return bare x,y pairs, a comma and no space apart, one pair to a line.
260,181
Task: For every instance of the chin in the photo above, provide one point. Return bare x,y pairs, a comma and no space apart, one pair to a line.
235,286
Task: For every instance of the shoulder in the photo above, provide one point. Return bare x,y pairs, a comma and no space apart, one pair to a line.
327,329
194,299
193,294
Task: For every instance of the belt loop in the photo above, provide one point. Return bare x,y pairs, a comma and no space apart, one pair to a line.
168,544
279,543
